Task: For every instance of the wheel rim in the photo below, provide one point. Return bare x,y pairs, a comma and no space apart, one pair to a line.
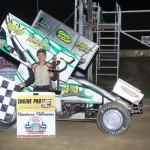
113,119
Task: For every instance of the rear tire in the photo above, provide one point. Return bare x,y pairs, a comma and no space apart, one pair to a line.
113,118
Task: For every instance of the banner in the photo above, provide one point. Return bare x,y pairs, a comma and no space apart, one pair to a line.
145,39
7,68
36,115
21,41
66,36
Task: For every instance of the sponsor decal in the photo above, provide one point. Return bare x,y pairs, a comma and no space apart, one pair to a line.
83,47
129,92
46,103
35,103
43,23
71,91
64,36
35,126
37,44
16,27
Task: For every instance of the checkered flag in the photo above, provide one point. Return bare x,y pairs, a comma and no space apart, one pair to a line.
8,91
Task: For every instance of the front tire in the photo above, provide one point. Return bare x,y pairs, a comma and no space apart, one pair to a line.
113,118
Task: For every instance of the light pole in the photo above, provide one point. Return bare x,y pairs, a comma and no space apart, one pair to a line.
37,4
90,35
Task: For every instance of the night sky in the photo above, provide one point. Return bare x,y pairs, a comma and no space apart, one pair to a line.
26,10
61,9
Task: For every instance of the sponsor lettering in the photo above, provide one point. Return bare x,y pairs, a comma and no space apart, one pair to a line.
35,136
35,114
24,101
64,36
18,28
129,92
35,42
71,91
42,23
83,47
44,102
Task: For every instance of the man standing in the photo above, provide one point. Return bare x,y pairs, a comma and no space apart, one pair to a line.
39,75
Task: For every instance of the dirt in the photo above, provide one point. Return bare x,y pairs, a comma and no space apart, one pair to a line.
74,135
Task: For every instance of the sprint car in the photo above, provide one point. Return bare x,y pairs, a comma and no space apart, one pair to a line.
79,99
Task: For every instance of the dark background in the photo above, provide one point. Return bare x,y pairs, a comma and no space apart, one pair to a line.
133,70
26,10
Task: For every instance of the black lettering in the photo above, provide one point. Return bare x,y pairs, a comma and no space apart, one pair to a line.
37,101
24,101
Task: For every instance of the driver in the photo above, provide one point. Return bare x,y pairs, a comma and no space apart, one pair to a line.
39,75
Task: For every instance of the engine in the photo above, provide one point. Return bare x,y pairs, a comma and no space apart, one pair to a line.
69,108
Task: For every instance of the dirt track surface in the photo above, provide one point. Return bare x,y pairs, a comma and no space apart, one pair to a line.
73,135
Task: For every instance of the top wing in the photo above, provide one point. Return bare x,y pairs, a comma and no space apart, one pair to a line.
21,41
66,36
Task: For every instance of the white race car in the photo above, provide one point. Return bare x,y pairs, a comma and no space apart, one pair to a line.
79,99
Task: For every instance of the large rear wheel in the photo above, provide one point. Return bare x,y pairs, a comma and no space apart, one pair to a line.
113,118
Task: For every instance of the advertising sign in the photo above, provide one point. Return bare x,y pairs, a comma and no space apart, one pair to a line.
7,68
21,41
145,39
36,115
66,36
